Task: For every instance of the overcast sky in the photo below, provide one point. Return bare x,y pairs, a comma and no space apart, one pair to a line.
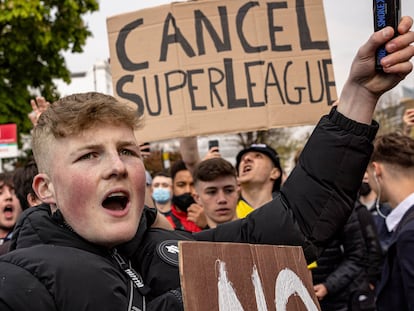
349,24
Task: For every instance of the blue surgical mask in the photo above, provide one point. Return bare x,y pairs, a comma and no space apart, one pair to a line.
161,195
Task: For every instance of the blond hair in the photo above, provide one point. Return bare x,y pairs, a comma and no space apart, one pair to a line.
71,115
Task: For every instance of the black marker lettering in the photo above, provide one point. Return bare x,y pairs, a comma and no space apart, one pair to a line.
176,37
241,14
123,58
201,19
273,28
129,96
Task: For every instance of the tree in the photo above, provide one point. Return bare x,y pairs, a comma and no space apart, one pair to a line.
33,36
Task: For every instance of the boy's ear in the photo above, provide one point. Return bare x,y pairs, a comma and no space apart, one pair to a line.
32,199
275,173
196,198
377,169
43,188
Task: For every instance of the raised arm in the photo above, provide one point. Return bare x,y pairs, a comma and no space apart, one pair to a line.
365,85
189,152
318,197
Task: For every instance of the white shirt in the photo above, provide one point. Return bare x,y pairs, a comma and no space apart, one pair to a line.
394,218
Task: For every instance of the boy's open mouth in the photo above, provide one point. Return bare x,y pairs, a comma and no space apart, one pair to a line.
116,201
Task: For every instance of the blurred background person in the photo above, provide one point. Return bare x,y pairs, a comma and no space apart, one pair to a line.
161,192
379,211
10,210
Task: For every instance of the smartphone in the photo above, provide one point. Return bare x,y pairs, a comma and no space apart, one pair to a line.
386,13
213,143
145,147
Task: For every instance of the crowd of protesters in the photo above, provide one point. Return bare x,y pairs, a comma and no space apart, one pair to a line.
359,248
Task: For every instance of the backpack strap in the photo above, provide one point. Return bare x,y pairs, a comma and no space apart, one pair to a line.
136,289
175,220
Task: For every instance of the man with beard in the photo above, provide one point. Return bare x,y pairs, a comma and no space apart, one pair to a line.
185,214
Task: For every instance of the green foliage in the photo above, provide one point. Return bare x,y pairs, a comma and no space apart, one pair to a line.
33,36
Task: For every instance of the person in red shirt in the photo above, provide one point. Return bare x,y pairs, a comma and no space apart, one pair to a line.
185,213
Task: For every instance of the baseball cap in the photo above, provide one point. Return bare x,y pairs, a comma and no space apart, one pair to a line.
262,148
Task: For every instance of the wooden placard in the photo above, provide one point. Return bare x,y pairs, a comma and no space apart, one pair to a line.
235,277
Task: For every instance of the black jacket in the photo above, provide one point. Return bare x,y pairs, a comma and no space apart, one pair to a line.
52,268
396,288
55,269
340,264
375,254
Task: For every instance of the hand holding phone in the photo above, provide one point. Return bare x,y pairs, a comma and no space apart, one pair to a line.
386,13
145,150
213,143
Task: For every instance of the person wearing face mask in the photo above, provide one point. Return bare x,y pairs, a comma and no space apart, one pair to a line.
185,214
161,192
379,211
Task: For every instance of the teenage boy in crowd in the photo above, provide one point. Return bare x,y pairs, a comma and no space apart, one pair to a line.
391,175
217,191
83,256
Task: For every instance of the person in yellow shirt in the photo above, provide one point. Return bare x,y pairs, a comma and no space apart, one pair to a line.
259,175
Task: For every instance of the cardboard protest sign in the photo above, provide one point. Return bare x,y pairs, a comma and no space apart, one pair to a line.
236,277
407,103
221,66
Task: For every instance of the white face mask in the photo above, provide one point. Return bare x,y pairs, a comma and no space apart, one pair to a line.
161,195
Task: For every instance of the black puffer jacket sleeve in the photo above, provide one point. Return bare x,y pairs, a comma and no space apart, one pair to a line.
317,198
171,301
352,263
375,255
33,294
